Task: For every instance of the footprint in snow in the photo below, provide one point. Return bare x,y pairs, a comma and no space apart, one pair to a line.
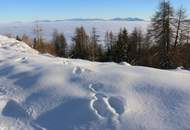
97,87
22,60
66,62
14,110
77,70
101,106
104,106
117,104
2,92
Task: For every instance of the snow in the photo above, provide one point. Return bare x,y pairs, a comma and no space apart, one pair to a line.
181,69
43,92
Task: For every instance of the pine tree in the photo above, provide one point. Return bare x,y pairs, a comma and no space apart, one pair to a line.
179,25
187,32
135,46
60,44
120,48
38,40
110,42
80,48
186,48
162,32
18,38
94,47
100,53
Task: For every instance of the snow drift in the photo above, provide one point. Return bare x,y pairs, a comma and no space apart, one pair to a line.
42,92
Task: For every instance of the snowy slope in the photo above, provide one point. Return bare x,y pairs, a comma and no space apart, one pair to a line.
42,92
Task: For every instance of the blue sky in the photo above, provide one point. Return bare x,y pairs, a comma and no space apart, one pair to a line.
29,10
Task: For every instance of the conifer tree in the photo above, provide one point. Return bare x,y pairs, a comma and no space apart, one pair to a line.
38,40
135,46
94,47
179,25
18,38
162,32
110,41
80,48
60,44
121,46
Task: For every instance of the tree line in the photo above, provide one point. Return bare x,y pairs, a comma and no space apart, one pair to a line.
165,45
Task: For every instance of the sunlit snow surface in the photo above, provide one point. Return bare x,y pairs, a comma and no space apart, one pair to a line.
42,92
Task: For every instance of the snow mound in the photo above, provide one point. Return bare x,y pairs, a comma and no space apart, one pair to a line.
182,70
125,63
14,44
42,92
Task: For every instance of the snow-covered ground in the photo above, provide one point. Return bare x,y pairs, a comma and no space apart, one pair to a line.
68,27
42,92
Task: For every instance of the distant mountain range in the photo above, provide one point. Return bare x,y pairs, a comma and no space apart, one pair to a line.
127,19
95,19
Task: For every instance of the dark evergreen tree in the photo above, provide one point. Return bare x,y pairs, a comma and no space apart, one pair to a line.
135,46
186,46
18,38
132,47
179,23
162,32
60,44
94,47
120,48
110,42
80,48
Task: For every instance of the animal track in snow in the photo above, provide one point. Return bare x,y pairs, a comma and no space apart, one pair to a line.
3,92
65,62
117,105
101,106
104,106
22,60
14,110
77,70
97,87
